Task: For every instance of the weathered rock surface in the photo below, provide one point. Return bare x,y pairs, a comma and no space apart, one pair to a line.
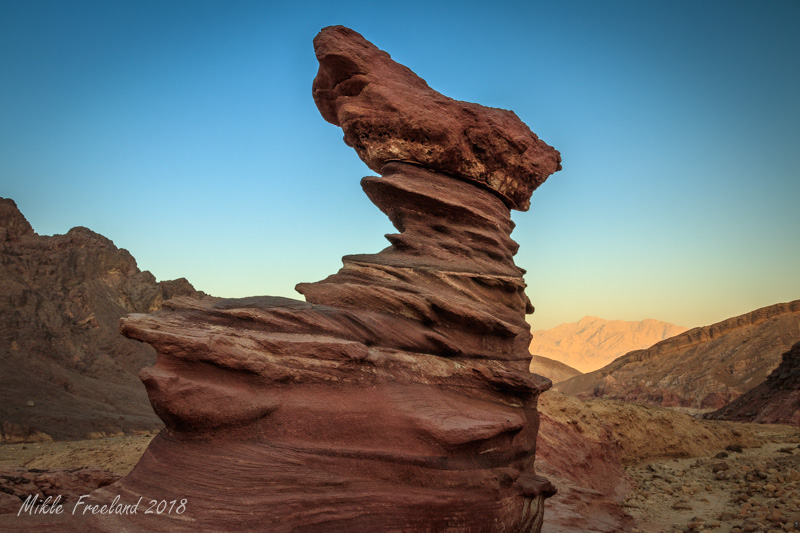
388,113
583,446
553,370
775,401
65,370
64,485
397,398
592,343
705,367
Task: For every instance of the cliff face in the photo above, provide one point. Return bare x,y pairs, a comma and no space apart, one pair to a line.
776,401
65,370
592,342
703,367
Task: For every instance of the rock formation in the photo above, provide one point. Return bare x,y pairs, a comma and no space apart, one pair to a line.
776,401
592,342
397,398
704,367
555,371
65,370
388,113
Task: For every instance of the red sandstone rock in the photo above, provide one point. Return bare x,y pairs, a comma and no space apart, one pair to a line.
397,398
590,476
399,394
388,113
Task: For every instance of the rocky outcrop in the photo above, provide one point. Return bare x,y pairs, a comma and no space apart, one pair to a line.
65,370
705,367
553,370
776,401
33,485
592,342
388,113
397,398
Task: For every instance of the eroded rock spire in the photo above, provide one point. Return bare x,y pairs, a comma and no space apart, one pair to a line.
388,113
397,397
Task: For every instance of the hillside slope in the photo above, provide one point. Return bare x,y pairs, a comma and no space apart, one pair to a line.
65,370
705,367
553,370
592,342
776,401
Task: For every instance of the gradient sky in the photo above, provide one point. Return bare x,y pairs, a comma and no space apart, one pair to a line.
185,132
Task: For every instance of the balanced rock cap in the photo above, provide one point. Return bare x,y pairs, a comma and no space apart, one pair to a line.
388,113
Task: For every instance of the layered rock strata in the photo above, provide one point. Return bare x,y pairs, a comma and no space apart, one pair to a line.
398,395
396,398
705,367
776,401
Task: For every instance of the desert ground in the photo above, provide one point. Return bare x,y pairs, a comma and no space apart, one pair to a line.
679,478
670,471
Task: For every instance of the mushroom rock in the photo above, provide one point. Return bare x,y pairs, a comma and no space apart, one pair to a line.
397,397
388,113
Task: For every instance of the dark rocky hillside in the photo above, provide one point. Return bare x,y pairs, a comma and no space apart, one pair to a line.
776,401
65,370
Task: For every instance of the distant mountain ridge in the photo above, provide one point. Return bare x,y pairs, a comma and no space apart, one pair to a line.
593,342
704,367
65,370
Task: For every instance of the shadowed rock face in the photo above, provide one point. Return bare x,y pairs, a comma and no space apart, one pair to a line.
775,401
388,113
65,371
396,398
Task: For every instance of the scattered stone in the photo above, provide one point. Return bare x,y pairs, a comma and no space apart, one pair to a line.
719,467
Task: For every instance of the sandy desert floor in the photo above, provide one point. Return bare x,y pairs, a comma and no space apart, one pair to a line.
115,454
683,473
755,489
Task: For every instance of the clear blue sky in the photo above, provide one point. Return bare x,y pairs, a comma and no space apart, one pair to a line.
185,132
